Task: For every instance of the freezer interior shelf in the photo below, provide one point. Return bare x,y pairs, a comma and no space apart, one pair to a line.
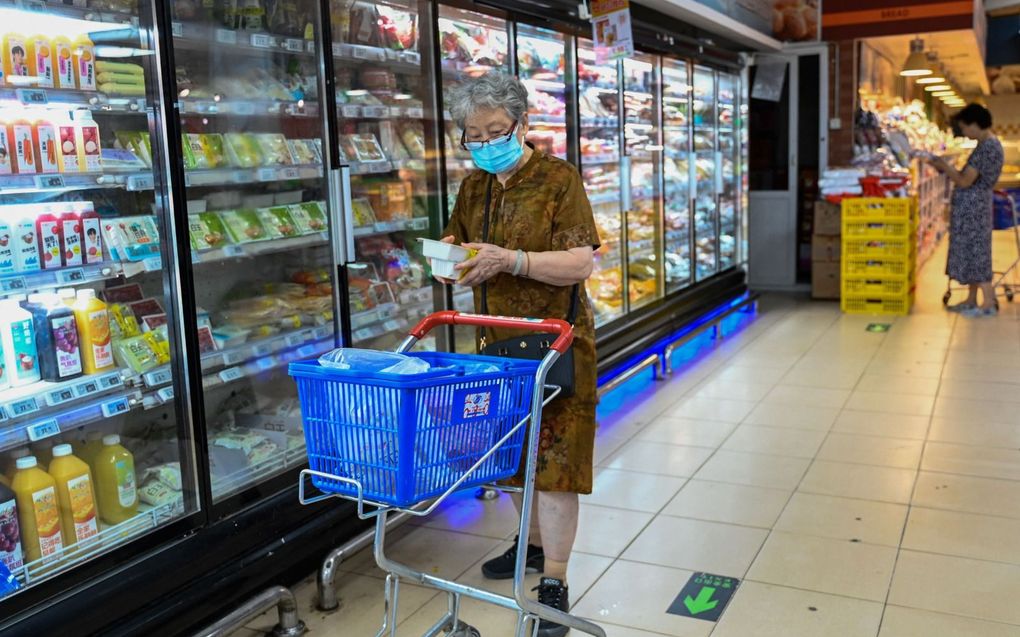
418,224
258,350
56,183
20,403
359,111
73,99
242,107
196,36
277,462
410,61
23,283
88,14
236,176
253,368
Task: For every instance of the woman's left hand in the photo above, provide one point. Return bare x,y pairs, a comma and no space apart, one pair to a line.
490,261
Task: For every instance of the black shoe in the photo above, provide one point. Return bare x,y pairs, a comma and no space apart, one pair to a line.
502,567
554,594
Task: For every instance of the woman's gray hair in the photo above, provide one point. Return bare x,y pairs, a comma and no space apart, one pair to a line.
492,90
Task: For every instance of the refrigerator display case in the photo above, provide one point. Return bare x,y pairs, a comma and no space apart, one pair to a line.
677,165
252,132
707,174
600,126
729,167
381,90
643,172
89,329
541,60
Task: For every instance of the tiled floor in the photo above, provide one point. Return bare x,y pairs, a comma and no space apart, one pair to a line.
859,484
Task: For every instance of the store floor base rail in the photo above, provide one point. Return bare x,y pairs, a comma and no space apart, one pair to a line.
290,625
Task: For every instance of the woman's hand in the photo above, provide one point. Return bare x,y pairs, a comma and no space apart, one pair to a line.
490,261
938,163
444,280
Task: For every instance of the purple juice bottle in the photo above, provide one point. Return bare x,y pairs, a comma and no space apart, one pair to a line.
56,334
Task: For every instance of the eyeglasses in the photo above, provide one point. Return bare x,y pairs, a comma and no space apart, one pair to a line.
499,140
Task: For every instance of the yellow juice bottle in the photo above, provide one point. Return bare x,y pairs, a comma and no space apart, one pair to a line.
93,331
75,494
63,63
15,58
115,481
10,468
40,60
93,443
38,511
84,55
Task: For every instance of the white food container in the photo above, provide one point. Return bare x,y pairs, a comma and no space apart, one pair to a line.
445,269
444,251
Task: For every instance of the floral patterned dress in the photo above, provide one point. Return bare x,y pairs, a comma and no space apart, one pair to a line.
970,224
543,207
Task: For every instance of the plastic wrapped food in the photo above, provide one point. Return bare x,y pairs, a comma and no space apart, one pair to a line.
155,493
206,231
243,150
274,148
303,151
309,217
243,226
372,361
278,221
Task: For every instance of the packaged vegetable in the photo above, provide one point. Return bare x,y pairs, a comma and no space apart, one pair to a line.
309,217
243,225
214,149
138,142
278,222
194,156
303,151
274,148
230,336
155,493
136,354
363,213
168,473
243,150
206,231
123,323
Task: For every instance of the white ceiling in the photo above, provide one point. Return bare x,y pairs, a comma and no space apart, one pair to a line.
957,50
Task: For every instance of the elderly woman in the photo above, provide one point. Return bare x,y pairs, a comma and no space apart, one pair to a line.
534,250
970,226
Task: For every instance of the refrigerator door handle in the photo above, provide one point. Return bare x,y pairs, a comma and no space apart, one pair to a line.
342,212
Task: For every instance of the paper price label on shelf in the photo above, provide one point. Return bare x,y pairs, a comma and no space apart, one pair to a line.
233,358
42,430
262,41
158,377
234,251
32,96
294,45
262,349
59,396
177,29
232,374
45,182
153,264
166,394
136,183
14,284
266,363
111,380
226,36
86,388
70,277
306,351
115,407
23,407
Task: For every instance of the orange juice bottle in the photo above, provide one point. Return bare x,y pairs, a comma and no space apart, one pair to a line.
21,134
91,447
63,63
84,62
15,58
93,331
115,481
75,495
38,511
40,60
44,134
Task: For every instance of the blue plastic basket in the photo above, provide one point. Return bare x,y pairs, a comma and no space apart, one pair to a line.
409,438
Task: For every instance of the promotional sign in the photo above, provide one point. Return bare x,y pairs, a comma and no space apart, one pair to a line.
849,19
610,20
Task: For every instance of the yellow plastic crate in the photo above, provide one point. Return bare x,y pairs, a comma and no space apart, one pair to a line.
857,286
878,268
902,248
877,304
878,229
901,208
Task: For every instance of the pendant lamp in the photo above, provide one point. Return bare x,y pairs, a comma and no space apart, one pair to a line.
937,76
917,62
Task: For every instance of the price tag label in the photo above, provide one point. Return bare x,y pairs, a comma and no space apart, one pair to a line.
158,377
310,47
23,407
46,182
86,388
363,334
262,349
32,96
243,108
322,332
350,110
362,53
71,276
44,429
297,46
166,394
233,358
177,29
234,251
13,284
196,257
338,49
266,363
187,179
242,177
415,113
375,111
393,325
232,374
59,396
136,183
294,340
324,236
153,264
290,173
412,57
306,351
267,174
261,40
3,415
226,36
115,407
110,381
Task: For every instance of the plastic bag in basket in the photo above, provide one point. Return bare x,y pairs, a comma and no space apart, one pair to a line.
373,361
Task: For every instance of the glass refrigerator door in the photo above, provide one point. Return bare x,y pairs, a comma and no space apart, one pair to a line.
541,58
705,173
729,162
381,89
599,108
252,125
471,44
644,152
90,356
744,132
676,138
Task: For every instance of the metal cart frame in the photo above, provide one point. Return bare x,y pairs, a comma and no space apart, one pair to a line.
529,612
1009,288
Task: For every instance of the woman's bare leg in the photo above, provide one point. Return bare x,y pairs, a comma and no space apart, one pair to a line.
988,294
558,514
535,533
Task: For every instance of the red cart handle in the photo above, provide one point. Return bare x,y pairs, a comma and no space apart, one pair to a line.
450,317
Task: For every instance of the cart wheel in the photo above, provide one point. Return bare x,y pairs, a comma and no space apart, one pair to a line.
946,297
486,494
1009,294
465,630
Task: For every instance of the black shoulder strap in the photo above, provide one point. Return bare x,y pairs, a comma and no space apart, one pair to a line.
575,293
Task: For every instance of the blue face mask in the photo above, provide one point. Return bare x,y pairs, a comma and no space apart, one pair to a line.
500,155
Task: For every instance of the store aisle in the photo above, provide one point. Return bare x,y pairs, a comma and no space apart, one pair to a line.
858,483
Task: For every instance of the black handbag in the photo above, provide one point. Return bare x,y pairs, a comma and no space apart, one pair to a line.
532,346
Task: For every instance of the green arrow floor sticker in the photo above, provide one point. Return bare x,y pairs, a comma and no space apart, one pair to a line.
704,596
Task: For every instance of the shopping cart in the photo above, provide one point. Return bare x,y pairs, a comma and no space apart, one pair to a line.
1009,287
391,443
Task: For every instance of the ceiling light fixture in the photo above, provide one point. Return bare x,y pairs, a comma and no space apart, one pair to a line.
917,62
937,76
937,87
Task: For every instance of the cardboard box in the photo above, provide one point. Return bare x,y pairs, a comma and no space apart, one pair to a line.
826,247
825,280
828,218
